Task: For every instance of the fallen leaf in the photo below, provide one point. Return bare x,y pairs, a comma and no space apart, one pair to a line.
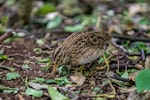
55,95
142,80
20,97
52,15
147,62
33,92
139,96
12,75
37,86
77,78
137,8
6,89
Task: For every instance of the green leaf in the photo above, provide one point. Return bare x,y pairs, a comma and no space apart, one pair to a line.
8,89
45,69
55,95
9,3
85,21
3,57
61,81
4,20
96,90
33,92
54,23
40,80
50,81
12,75
62,70
125,74
74,28
26,66
139,45
46,9
106,54
101,59
1,52
144,21
143,80
3,29
44,60
147,50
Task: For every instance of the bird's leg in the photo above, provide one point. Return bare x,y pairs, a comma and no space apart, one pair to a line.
54,70
106,61
81,68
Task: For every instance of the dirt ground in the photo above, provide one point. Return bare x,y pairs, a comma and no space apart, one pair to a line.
22,52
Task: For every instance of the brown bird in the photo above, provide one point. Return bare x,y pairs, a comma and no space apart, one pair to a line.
80,48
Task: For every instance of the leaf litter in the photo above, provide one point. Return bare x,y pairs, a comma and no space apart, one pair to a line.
126,60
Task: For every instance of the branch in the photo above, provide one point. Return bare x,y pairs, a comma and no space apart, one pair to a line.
6,35
131,38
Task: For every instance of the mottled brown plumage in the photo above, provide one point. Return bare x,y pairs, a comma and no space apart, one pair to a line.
80,48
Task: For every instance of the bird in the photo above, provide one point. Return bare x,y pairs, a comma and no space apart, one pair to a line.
80,48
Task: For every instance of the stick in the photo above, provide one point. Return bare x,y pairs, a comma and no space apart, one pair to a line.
122,79
122,37
6,35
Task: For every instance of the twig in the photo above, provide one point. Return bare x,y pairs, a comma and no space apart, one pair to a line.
136,54
8,68
12,55
122,37
6,35
115,55
98,22
121,79
115,66
113,88
143,55
118,63
26,82
118,46
19,97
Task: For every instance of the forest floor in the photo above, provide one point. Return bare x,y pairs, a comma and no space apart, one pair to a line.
26,62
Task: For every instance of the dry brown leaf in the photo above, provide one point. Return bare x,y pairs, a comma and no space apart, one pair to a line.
147,62
139,66
19,97
139,96
37,86
78,78
132,76
137,8
52,15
